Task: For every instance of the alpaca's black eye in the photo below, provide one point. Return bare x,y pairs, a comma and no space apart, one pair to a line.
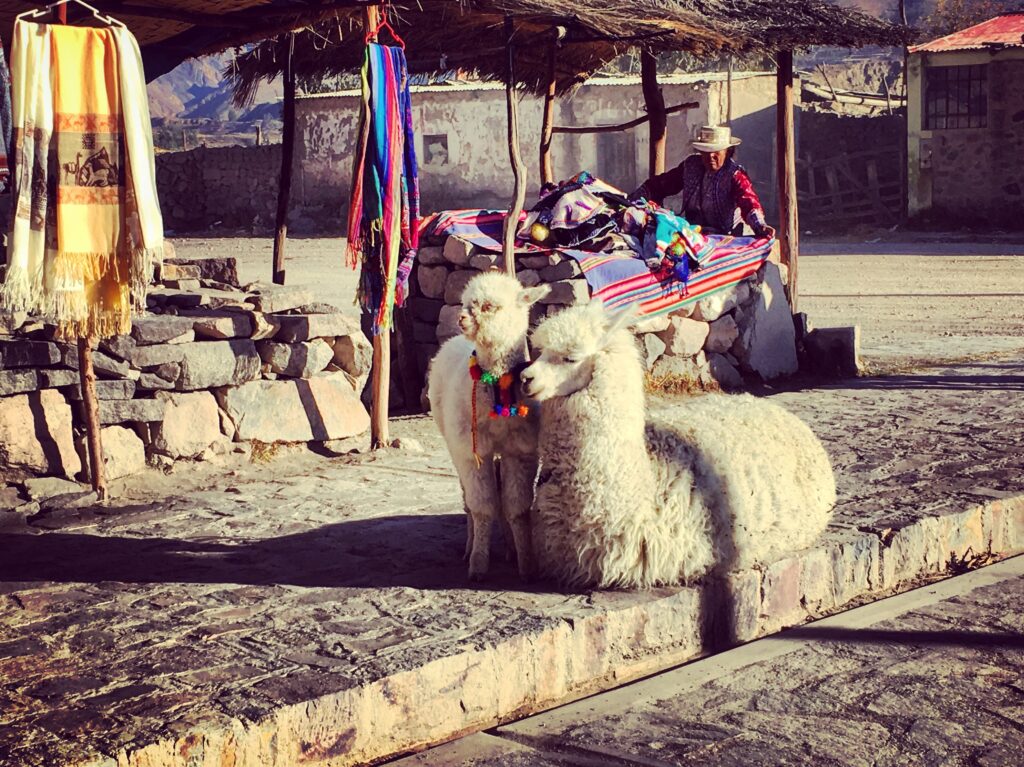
487,306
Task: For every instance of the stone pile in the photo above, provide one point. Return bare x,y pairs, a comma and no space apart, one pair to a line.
210,365
742,333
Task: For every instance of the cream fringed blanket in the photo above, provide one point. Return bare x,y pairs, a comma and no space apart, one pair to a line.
86,222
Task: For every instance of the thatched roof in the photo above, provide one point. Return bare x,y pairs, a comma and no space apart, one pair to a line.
443,35
170,31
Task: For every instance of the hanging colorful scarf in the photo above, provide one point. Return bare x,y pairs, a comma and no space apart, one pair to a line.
86,220
6,123
383,229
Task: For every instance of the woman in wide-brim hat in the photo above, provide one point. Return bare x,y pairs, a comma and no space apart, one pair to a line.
716,190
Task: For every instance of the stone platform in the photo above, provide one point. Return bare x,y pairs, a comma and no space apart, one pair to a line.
314,610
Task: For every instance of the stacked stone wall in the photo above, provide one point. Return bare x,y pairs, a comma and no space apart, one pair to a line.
210,367
738,334
228,187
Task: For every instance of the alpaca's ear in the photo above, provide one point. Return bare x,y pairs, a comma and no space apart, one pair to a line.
530,296
621,320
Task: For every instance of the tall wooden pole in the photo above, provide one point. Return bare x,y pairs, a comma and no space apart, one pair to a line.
508,241
284,188
547,171
785,153
87,379
655,102
381,383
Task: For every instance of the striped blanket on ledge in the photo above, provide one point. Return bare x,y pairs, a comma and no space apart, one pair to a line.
617,279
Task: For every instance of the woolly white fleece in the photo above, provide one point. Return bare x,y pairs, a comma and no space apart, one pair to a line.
718,483
494,322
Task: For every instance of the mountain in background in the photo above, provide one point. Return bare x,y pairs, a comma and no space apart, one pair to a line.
196,90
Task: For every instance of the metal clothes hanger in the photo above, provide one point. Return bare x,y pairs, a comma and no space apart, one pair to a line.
100,17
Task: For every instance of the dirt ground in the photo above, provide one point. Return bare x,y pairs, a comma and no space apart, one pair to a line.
920,298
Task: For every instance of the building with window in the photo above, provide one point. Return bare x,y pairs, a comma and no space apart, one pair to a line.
965,125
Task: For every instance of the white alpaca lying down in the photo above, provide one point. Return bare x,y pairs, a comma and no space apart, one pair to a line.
494,322
718,483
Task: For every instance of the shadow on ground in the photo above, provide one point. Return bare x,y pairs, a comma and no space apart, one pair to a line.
418,551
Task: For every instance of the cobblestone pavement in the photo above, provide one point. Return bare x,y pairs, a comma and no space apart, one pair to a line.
942,683
217,595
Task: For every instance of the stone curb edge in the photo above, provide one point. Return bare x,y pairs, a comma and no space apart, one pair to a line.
456,695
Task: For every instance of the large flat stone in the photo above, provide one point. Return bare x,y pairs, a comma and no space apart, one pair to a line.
119,389
191,424
296,360
131,411
36,435
314,409
219,268
162,328
124,453
684,337
218,363
353,354
767,339
55,378
220,325
18,381
278,298
24,354
306,327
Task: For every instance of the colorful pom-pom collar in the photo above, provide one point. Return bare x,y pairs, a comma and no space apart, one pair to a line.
505,406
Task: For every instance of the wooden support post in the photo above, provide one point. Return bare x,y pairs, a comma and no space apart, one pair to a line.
655,102
284,189
87,378
785,153
381,383
508,240
547,171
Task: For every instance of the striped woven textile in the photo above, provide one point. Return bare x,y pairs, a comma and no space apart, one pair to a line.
620,280
383,226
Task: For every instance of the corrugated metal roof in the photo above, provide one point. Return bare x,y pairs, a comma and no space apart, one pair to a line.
1004,31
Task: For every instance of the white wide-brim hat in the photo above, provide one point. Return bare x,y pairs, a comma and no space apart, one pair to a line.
714,138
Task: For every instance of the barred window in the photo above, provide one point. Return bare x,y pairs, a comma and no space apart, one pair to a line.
956,97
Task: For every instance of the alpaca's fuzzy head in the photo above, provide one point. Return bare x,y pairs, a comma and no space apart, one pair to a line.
568,346
496,309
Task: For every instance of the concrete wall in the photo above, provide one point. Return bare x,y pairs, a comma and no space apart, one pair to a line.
969,175
461,147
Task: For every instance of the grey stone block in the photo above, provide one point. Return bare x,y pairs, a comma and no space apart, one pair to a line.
18,381
108,367
430,255
834,351
119,389
298,360
160,329
24,354
425,309
307,327
217,363
456,283
458,251
432,280
130,410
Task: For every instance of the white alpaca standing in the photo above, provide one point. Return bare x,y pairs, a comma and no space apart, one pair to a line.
720,483
494,321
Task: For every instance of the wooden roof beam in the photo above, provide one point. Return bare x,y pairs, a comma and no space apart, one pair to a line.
243,19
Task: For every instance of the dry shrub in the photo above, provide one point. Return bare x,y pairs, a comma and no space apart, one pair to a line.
969,561
263,452
672,383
